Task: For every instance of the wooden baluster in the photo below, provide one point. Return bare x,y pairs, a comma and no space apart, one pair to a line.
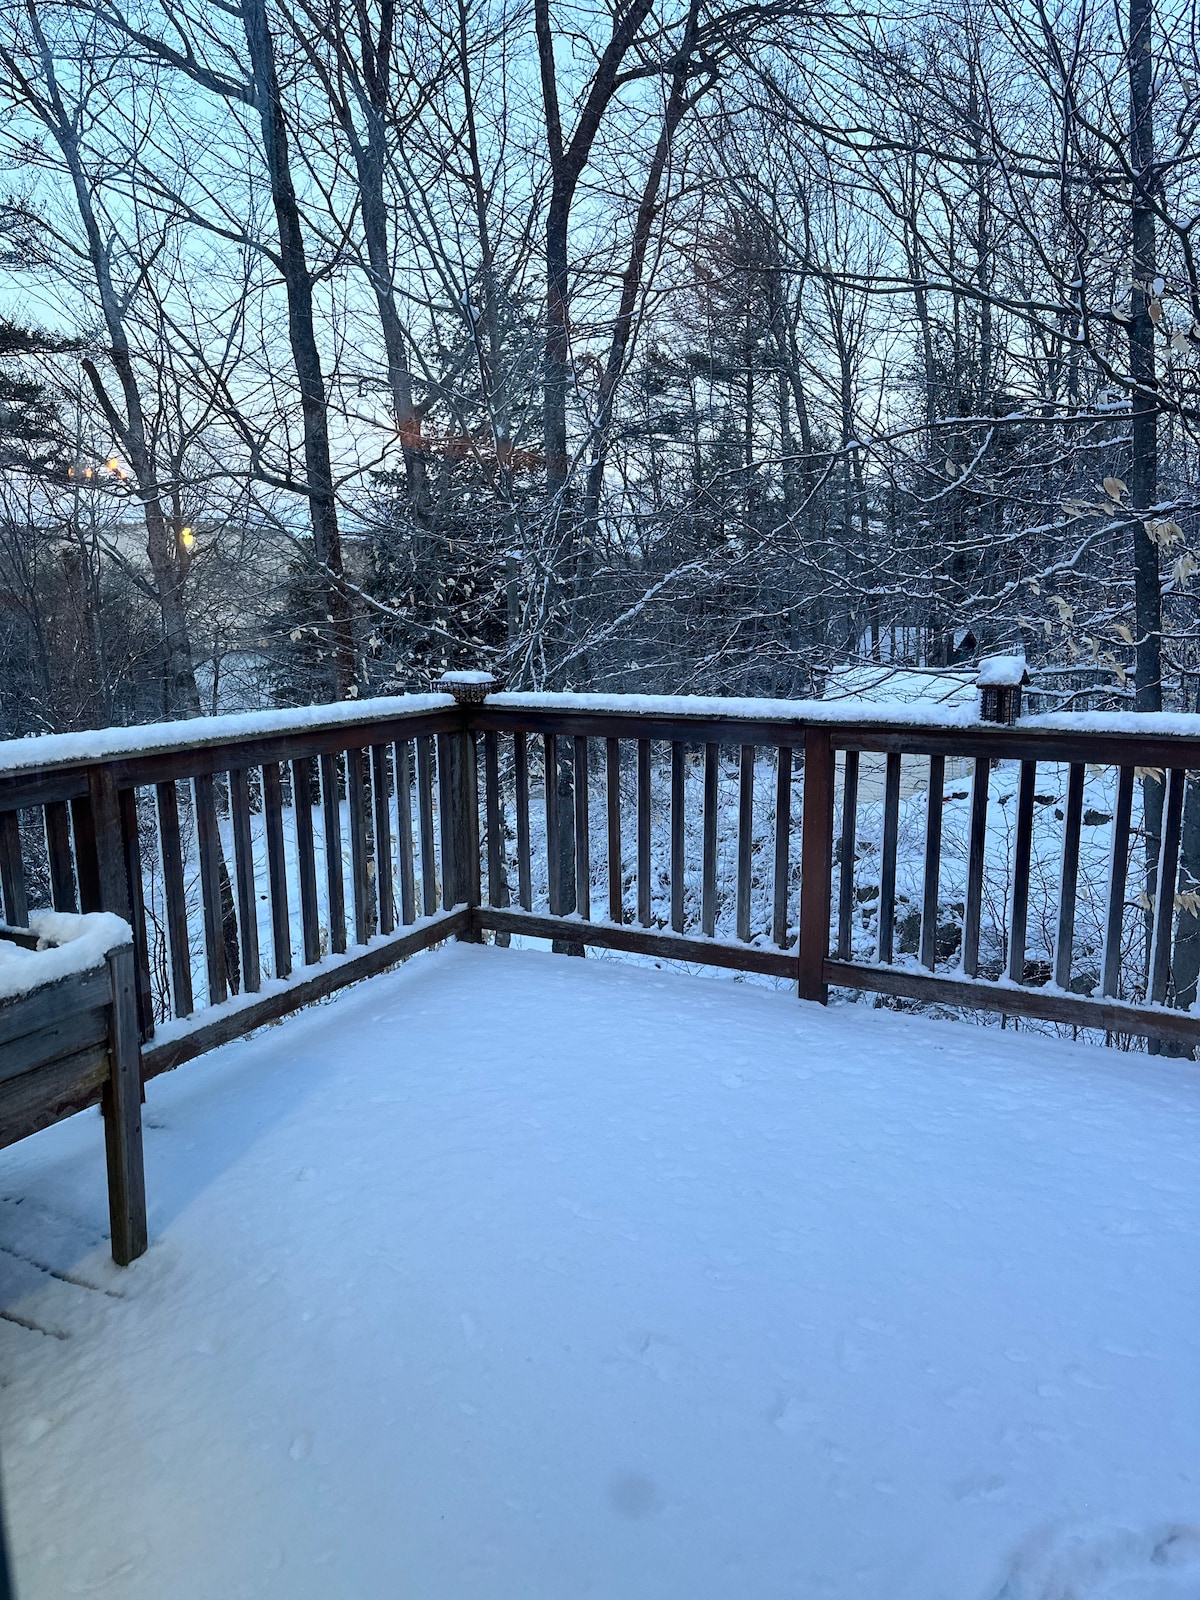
450,881
616,865
131,840
583,836
208,839
243,861
1064,939
175,899
1019,914
281,929
12,871
783,841
1114,922
745,839
887,861
521,780
498,891
498,877
553,819
975,864
404,823
934,803
87,861
849,844
58,851
467,754
360,855
334,880
643,833
677,836
380,783
1164,899
708,852
302,810
491,817
425,814
816,865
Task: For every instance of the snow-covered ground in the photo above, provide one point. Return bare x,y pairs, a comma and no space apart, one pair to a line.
513,1277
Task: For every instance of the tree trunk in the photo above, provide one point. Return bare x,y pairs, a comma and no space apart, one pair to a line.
1143,472
327,546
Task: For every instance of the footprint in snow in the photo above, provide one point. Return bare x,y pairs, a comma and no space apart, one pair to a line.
1097,1563
790,1414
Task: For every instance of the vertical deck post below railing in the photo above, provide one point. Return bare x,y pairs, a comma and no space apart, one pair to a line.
111,885
458,761
816,865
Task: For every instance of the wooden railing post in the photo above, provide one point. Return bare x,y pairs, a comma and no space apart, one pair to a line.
816,865
458,761
108,843
122,1105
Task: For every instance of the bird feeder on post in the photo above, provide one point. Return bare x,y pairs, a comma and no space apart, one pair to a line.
469,688
1000,681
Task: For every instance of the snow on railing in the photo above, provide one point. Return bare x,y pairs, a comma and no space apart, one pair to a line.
906,849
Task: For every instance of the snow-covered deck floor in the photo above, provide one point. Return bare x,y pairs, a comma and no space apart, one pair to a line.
510,1277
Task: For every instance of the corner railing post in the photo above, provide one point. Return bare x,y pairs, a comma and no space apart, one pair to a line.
816,865
458,757
107,841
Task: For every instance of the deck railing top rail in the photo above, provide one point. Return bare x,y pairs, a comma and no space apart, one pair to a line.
52,752
30,764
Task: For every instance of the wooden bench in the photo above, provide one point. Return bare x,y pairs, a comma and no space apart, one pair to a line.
69,1038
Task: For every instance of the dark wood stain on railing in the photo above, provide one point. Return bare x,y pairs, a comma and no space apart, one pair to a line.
1068,881
1168,871
677,835
783,838
335,885
935,800
816,865
243,863
708,866
887,860
208,841
1118,876
404,841
745,838
58,849
1019,914
306,861
175,899
425,819
643,832
381,787
93,855
849,845
281,932
612,796
360,854
583,837
976,846
521,782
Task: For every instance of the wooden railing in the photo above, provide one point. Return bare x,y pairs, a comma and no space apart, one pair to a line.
265,862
